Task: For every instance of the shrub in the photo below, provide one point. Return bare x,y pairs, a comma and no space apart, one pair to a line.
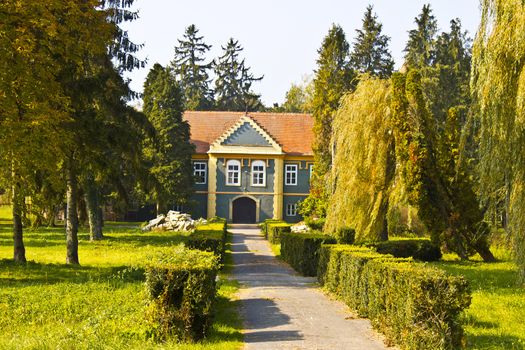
301,251
210,237
265,223
345,235
419,249
315,224
414,305
180,284
275,230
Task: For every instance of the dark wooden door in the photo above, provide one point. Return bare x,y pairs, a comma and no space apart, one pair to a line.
244,211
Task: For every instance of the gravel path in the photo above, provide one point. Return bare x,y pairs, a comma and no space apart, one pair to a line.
282,310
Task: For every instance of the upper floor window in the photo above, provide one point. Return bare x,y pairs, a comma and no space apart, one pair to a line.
290,174
258,173
233,173
311,170
200,172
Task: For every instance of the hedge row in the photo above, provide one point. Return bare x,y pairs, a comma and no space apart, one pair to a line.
414,305
210,237
273,229
180,284
301,251
419,249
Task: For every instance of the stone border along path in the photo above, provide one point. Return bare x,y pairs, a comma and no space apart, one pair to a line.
282,310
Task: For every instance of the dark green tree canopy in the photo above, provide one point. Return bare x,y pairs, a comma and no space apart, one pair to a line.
419,48
233,82
370,49
169,152
191,72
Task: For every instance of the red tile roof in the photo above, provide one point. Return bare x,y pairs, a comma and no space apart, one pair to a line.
293,131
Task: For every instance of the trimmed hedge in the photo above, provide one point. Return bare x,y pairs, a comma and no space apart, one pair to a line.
180,284
210,237
419,249
414,305
301,250
265,223
275,230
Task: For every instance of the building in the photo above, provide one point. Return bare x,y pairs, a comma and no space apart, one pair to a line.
251,166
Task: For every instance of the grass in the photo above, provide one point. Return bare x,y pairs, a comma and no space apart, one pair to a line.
99,305
496,317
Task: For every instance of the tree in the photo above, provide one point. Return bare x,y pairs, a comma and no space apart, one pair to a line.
436,185
370,49
333,78
364,161
191,72
234,81
419,50
169,153
299,98
498,89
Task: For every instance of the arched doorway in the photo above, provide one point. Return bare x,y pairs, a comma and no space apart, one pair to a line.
244,211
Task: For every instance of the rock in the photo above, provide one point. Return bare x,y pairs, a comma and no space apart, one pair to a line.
173,221
299,228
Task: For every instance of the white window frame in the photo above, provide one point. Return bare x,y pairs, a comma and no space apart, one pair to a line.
311,168
290,169
205,171
291,209
233,162
258,163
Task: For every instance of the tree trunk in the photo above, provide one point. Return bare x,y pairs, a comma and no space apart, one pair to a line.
71,218
93,210
485,253
19,255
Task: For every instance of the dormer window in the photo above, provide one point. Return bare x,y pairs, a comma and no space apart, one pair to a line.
258,173
233,173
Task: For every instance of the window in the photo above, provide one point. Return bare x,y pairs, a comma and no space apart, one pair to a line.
199,171
258,173
233,173
291,209
311,170
291,174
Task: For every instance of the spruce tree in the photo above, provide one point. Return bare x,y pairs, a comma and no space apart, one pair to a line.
233,83
191,72
370,49
419,50
169,152
333,78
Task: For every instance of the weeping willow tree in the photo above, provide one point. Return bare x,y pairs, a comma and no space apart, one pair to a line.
498,85
364,161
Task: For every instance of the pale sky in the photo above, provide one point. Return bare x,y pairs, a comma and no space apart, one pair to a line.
280,37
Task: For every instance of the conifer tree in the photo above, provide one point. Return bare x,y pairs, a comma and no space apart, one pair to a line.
419,50
233,82
333,78
169,153
191,72
370,49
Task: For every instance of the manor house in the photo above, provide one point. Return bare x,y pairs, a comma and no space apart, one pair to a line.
251,166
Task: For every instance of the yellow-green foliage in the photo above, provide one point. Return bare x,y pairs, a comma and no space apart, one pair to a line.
498,83
363,161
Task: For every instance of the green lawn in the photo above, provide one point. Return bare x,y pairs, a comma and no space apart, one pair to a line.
496,317
99,305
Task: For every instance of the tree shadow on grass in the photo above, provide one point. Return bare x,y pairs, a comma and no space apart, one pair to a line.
18,275
495,342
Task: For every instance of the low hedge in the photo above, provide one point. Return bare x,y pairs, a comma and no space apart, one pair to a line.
180,284
210,237
419,249
301,250
414,305
275,230
265,223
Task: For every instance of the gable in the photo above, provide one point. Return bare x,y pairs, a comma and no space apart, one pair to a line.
246,135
